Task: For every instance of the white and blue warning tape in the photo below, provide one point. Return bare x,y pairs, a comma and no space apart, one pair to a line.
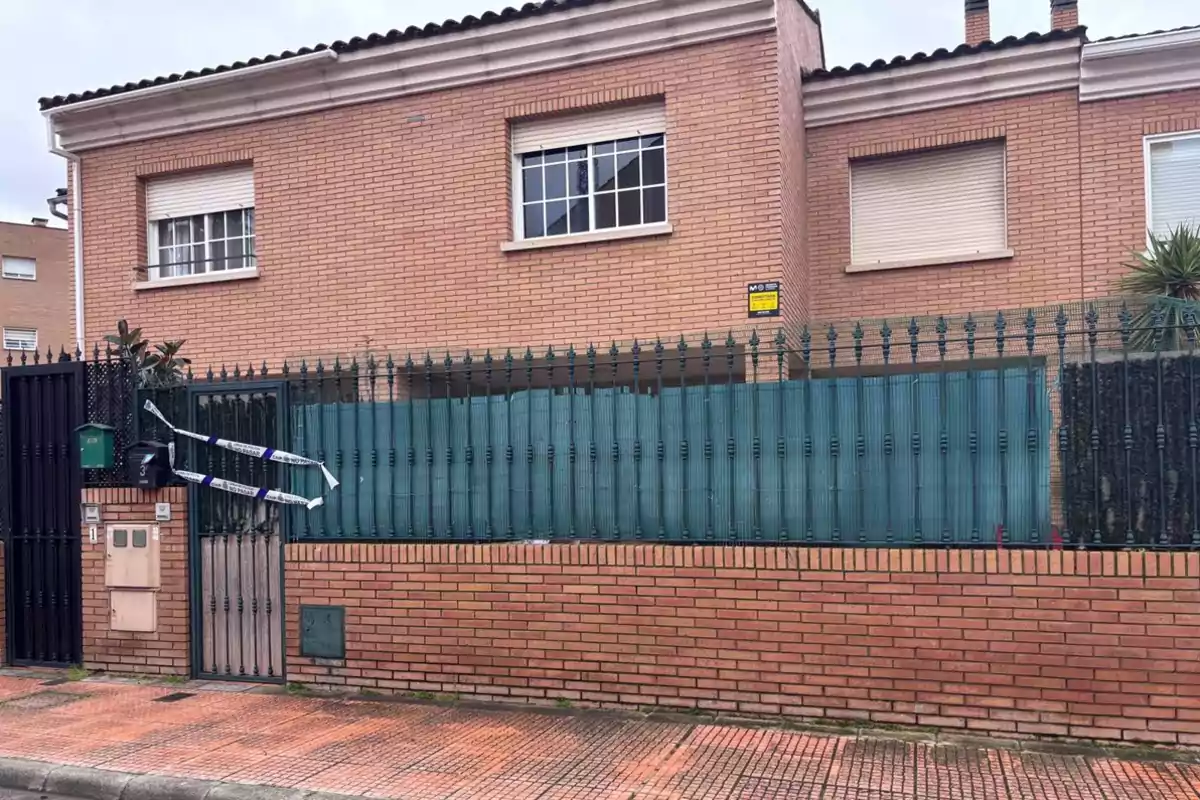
254,451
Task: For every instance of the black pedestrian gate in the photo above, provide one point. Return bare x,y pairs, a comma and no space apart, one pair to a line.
236,541
43,405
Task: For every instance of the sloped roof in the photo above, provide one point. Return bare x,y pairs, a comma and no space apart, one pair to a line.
943,54
357,43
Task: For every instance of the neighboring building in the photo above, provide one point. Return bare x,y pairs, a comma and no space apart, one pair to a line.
35,290
588,170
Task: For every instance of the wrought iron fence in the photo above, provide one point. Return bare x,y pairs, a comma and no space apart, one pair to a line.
944,431
1066,426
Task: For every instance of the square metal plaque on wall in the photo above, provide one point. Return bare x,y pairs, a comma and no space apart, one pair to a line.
323,631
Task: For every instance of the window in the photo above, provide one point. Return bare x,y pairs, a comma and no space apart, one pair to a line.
20,339
591,172
1173,184
934,206
22,269
200,223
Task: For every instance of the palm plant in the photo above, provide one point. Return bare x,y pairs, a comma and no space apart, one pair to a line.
1167,276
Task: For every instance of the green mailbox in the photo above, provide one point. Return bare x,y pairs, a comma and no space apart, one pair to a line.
95,446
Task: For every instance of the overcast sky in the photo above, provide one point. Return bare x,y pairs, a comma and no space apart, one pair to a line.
73,45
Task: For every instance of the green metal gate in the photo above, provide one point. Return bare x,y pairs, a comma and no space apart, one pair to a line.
237,542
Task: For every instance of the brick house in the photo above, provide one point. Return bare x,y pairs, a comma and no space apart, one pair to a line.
35,289
391,188
585,170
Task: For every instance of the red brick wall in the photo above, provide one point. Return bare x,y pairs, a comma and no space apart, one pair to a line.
799,50
46,304
164,652
1015,644
1043,212
374,230
1114,189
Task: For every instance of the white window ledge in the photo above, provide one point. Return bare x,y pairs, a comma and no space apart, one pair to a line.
607,235
934,261
193,280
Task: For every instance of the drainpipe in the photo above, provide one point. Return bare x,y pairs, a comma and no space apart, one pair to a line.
75,207
59,199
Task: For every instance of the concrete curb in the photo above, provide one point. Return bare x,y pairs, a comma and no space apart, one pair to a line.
90,783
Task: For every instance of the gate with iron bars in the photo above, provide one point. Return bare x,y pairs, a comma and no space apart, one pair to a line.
40,492
237,542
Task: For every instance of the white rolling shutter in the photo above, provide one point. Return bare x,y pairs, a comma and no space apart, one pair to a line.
1174,184
199,193
565,130
20,339
930,205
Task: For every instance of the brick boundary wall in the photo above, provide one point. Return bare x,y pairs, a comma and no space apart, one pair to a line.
1005,643
166,651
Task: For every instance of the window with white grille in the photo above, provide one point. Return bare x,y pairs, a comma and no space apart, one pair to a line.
200,222
931,206
1173,184
20,339
590,172
22,269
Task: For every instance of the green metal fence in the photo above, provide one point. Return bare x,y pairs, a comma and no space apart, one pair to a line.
1065,426
869,460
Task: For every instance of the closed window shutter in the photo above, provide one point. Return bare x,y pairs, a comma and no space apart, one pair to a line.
20,339
1174,185
620,122
199,193
930,205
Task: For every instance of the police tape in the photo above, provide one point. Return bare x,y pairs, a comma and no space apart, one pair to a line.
254,451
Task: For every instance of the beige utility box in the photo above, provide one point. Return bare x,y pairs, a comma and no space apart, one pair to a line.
132,573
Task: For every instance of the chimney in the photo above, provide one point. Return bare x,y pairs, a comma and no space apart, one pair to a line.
979,27
39,221
1064,15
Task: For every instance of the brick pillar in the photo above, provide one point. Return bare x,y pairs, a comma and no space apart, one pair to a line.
166,650
1064,14
978,21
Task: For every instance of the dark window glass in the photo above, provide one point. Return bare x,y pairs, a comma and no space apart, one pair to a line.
627,144
534,225
654,204
249,221
629,207
629,174
653,168
579,215
555,156
604,148
532,179
653,141
556,181
234,251
216,253
606,171
234,223
577,153
556,218
532,160
606,211
218,223
577,177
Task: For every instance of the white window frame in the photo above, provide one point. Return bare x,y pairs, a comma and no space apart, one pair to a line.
10,331
13,276
1147,178
1006,252
518,195
154,267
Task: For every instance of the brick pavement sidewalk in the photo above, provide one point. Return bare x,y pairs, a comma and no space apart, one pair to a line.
425,751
